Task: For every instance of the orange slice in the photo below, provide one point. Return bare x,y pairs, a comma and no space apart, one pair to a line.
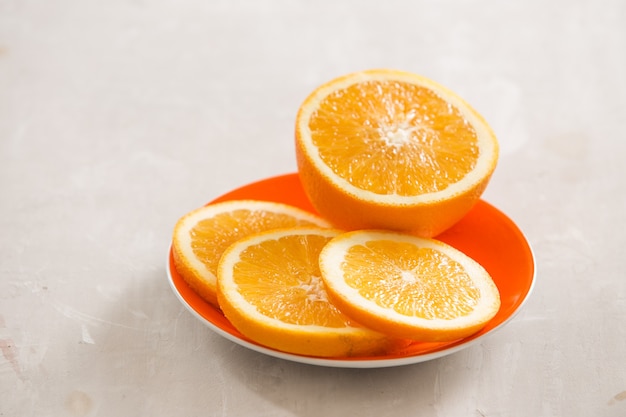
410,287
392,150
270,289
201,236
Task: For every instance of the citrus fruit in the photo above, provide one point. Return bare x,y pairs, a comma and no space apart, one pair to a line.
270,289
407,286
385,149
201,236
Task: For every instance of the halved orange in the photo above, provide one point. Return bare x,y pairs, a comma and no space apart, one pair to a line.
270,289
407,286
201,236
392,150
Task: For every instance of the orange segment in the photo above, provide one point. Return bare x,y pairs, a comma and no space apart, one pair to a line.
413,128
389,149
407,286
426,295
201,236
270,289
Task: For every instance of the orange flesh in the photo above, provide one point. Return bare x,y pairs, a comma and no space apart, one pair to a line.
419,282
281,278
392,137
210,237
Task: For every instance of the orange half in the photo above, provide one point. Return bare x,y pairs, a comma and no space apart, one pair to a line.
392,150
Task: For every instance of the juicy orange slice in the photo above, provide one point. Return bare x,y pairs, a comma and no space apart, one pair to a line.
201,236
410,287
392,150
270,289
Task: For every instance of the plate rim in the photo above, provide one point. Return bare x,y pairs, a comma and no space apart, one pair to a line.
370,362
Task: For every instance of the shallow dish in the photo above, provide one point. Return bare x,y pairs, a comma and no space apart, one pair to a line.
485,234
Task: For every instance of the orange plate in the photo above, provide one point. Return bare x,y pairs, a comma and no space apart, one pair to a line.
485,234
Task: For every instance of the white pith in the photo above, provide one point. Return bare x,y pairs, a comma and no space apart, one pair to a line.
333,256
396,136
229,289
183,235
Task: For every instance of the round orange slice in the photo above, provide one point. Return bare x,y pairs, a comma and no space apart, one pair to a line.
409,287
385,149
270,289
201,236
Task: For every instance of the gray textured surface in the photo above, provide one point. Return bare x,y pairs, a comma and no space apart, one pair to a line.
117,117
